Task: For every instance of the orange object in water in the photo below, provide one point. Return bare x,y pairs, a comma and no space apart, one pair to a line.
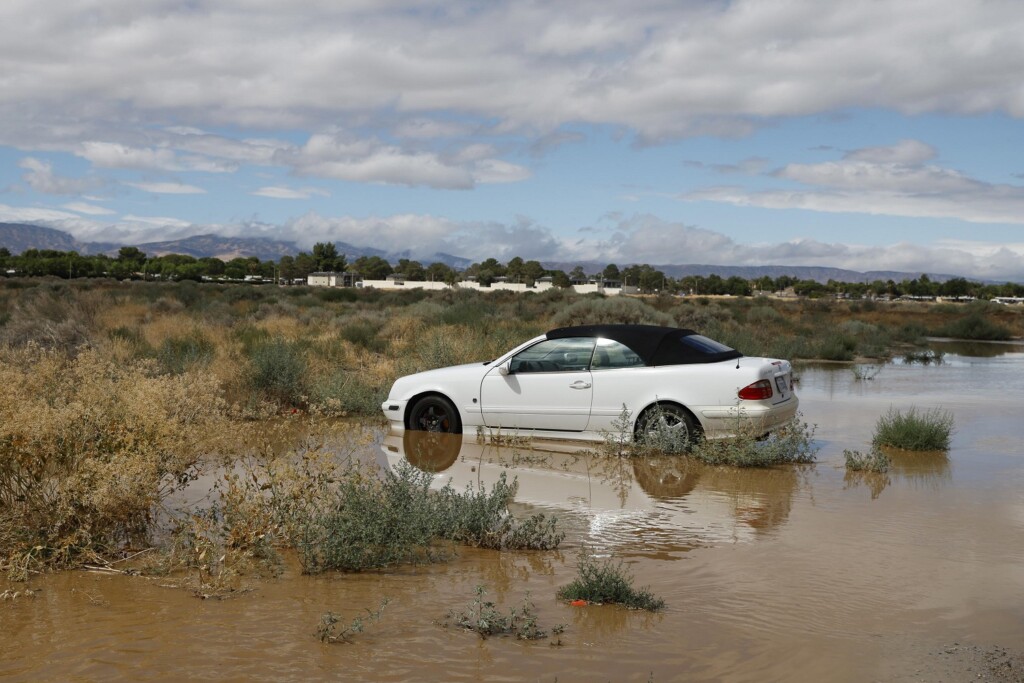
579,603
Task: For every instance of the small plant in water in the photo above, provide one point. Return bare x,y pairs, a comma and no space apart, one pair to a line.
485,619
913,430
607,581
792,442
865,371
400,519
332,629
873,461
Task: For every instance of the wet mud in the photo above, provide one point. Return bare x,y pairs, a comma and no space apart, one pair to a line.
788,574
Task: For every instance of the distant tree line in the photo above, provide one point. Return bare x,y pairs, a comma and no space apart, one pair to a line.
131,263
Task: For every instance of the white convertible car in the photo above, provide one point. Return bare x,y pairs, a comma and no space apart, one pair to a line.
573,382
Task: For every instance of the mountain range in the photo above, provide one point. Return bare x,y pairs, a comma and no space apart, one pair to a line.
18,237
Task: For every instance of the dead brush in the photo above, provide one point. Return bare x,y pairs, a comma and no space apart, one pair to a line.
91,447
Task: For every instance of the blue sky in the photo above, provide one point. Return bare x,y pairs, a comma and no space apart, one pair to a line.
867,135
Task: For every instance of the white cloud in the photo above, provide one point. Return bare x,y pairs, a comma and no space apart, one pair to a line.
893,181
113,155
657,68
167,188
289,193
41,177
89,209
497,171
428,129
367,160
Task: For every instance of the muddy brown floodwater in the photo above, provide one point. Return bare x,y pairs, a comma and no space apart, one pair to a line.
792,574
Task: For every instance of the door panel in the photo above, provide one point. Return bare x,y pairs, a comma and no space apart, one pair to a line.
548,386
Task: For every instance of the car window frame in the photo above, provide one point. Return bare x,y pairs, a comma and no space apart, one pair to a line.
523,369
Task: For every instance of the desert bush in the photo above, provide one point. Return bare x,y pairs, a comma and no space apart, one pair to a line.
789,443
332,294
467,312
132,339
974,325
485,619
346,392
595,311
836,346
250,336
332,628
48,318
90,446
607,581
763,315
378,523
190,351
364,331
913,430
872,461
235,293
277,369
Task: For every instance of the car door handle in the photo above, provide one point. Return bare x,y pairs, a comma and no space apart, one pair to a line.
579,384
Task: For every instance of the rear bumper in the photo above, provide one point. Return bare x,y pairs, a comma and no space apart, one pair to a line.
754,417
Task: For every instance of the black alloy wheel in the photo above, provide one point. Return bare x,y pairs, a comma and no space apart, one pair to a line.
434,414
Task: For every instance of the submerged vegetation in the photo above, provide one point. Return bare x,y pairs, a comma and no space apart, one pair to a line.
606,581
374,523
914,430
873,461
485,619
119,394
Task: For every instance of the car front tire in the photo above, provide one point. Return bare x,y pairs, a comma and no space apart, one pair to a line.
434,414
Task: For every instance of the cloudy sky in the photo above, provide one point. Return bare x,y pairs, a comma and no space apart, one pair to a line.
867,134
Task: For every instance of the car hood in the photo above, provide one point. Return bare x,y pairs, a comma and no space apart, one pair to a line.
436,379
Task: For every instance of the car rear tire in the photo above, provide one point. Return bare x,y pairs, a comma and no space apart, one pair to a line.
434,414
668,427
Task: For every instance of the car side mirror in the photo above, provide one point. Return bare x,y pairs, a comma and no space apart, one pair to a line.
505,369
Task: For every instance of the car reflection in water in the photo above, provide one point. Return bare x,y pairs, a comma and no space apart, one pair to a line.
654,504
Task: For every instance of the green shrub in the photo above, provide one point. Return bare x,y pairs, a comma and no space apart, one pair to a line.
363,332
399,520
789,443
250,336
235,293
836,346
333,630
913,430
334,294
873,461
975,325
606,581
191,351
346,392
277,368
485,619
467,313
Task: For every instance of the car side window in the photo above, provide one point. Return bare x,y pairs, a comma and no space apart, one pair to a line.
554,355
611,354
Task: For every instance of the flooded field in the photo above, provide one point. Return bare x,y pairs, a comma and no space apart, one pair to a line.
790,574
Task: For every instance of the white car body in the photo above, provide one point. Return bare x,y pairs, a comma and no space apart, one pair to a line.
583,396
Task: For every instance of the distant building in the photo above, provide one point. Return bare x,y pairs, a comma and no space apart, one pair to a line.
332,279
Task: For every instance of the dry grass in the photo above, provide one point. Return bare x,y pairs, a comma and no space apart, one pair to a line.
90,446
105,413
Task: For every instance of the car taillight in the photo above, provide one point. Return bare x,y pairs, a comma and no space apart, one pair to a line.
757,391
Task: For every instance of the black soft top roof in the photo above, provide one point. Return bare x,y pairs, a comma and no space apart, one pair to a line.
655,345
